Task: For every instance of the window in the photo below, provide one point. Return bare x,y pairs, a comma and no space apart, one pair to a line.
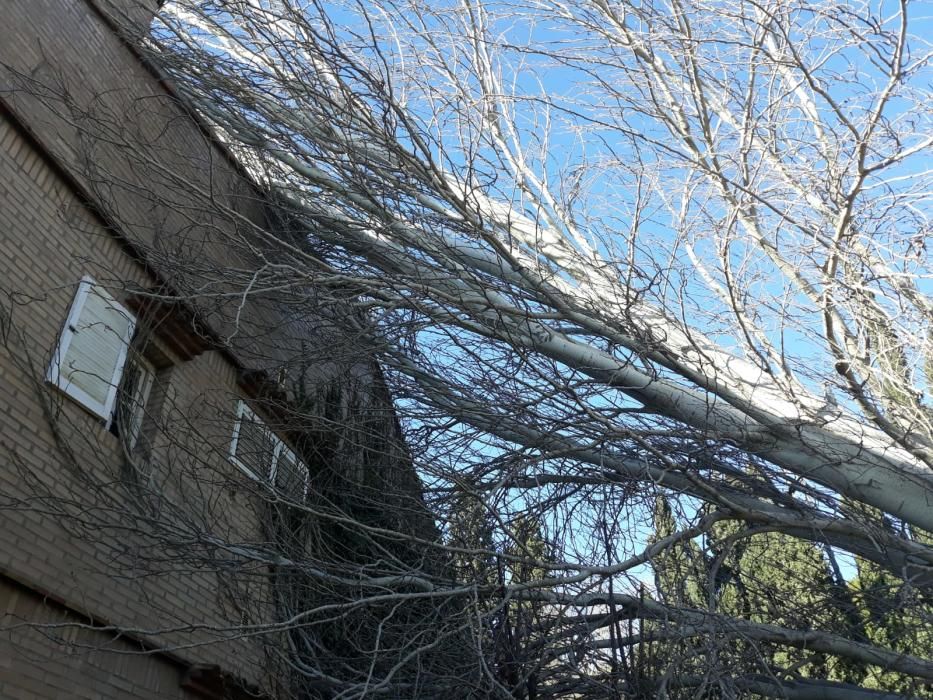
132,397
262,456
91,354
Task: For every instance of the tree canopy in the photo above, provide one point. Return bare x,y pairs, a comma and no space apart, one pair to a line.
650,276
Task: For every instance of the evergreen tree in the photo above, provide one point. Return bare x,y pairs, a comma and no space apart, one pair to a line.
512,631
522,625
470,535
897,616
765,577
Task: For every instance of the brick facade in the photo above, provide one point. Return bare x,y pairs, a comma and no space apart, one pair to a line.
48,240
77,114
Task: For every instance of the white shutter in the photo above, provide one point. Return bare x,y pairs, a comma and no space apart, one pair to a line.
92,350
291,475
253,445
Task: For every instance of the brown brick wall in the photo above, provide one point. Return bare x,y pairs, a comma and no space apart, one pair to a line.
139,157
48,661
48,240
102,173
172,193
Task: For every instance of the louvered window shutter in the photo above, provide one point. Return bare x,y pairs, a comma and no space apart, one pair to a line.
253,445
291,475
92,350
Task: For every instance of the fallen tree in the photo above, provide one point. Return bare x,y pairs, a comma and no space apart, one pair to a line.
617,252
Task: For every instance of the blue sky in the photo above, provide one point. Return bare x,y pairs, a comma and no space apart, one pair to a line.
614,147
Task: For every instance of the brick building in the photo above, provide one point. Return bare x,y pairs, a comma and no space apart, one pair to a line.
144,401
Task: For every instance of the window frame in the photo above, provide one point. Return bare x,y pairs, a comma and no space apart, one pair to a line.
54,375
135,418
